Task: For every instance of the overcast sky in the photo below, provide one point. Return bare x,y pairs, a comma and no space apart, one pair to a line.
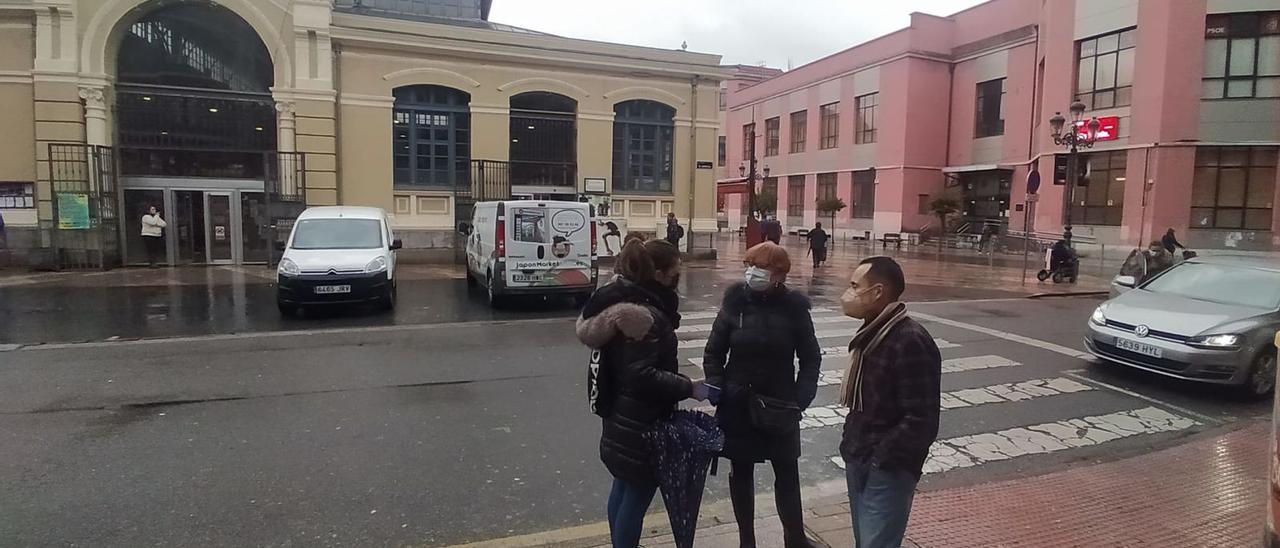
775,32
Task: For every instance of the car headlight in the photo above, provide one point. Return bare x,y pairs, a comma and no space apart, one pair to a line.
1215,341
1099,316
289,268
377,265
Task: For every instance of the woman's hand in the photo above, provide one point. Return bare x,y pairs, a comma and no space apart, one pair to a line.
700,391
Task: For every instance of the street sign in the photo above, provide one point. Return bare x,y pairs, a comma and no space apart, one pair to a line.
706,165
1033,182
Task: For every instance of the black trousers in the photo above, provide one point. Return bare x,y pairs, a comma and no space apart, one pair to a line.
155,248
786,492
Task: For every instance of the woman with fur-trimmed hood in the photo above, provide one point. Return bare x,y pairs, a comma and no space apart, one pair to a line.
634,380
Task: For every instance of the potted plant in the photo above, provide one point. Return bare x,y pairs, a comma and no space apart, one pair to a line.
943,207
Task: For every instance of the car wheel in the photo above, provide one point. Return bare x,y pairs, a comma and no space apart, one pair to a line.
389,300
495,300
1057,277
1042,275
1262,376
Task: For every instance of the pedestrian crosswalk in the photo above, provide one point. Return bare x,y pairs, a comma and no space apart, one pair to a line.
979,372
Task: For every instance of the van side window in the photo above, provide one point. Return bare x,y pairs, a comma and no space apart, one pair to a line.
530,225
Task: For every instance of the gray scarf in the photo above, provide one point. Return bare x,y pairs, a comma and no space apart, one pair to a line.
864,342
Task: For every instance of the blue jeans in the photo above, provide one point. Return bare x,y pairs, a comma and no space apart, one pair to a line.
627,506
880,503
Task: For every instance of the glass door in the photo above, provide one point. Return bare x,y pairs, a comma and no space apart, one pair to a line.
136,204
220,228
188,227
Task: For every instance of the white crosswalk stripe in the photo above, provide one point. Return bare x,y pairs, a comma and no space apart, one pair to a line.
1018,386
953,365
978,449
833,415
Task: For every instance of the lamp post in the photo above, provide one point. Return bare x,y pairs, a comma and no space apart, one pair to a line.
750,174
1073,140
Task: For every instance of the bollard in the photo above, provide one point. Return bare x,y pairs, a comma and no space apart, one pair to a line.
1273,479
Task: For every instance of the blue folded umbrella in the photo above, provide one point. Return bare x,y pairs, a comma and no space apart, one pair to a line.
682,450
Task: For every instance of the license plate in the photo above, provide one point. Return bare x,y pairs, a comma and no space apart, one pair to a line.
1135,346
332,289
526,278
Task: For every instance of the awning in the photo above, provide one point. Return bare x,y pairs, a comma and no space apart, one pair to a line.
977,167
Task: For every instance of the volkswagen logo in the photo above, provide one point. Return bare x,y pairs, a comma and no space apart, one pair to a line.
1142,331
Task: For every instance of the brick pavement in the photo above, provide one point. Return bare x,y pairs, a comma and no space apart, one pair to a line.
1210,491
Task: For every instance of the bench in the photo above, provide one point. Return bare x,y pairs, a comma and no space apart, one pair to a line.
891,238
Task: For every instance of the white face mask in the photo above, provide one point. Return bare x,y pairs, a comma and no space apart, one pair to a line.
758,279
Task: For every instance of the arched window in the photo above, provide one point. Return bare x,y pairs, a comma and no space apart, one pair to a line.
431,133
194,94
544,140
643,136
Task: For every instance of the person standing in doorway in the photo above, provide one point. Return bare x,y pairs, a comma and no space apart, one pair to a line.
763,330
892,388
153,235
4,239
675,232
818,244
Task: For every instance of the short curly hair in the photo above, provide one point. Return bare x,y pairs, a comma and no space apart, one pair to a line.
769,256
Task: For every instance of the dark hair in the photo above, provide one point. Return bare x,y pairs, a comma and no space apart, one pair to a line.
633,235
888,272
640,260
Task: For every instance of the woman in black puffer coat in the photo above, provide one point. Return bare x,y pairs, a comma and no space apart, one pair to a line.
632,323
761,330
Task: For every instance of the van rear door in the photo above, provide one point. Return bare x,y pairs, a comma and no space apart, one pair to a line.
549,244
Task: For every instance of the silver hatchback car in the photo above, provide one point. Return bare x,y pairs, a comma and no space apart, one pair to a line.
1210,319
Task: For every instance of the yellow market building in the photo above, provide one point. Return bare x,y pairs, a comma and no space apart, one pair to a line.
230,116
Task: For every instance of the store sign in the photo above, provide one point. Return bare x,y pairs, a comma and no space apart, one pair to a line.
1108,128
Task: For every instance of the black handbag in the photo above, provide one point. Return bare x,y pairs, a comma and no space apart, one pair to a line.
773,415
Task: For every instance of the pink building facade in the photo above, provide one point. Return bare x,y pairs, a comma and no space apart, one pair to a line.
1188,92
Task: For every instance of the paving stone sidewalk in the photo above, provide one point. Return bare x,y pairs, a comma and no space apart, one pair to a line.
1210,491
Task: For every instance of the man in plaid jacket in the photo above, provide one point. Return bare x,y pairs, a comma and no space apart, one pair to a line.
893,390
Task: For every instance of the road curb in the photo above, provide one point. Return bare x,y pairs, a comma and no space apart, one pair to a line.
1047,295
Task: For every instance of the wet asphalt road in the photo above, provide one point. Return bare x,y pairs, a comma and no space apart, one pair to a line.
442,423
50,313
426,435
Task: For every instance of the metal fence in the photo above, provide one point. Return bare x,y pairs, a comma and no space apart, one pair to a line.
84,197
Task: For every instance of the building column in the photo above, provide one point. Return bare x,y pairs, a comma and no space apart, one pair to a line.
95,115
287,125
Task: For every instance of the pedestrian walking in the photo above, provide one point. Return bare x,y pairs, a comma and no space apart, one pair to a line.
771,229
634,380
892,390
818,239
762,328
153,235
675,232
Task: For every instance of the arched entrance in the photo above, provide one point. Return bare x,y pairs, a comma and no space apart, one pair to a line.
196,134
544,146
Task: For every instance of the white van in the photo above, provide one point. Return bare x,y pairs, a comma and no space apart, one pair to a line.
338,255
531,247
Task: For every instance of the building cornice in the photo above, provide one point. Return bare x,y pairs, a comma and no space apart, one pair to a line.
433,39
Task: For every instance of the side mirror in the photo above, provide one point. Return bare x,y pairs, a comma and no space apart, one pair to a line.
464,228
1125,281
396,244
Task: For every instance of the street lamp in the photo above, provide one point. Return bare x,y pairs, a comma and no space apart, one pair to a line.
750,173
1073,140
